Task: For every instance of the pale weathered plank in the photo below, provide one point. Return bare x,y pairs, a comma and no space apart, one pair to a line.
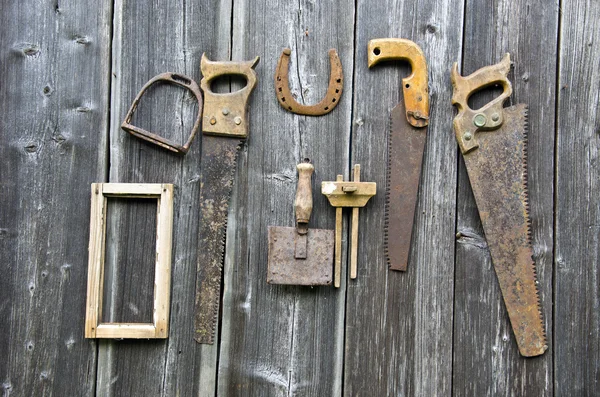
148,40
284,340
399,324
486,358
54,68
577,306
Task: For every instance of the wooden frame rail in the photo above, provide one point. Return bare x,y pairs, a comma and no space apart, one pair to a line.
159,328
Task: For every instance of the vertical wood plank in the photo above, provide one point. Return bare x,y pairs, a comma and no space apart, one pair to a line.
54,65
284,340
486,358
148,40
576,310
399,324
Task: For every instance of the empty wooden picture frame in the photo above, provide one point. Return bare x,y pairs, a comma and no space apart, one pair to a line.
159,328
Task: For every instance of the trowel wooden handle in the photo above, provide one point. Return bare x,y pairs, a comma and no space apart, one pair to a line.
304,202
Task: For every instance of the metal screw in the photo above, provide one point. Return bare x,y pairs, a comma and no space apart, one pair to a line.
468,136
479,120
213,121
495,117
237,120
225,111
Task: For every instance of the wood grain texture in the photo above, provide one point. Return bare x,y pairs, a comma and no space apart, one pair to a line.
399,325
147,41
52,131
486,358
284,340
68,73
576,309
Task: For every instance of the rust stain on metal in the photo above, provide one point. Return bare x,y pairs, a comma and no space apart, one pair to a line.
299,255
405,156
327,104
225,127
406,143
497,169
285,268
170,78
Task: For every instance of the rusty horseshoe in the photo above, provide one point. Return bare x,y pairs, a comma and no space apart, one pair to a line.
327,104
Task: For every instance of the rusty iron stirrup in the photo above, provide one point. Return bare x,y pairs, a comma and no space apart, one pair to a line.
171,78
327,104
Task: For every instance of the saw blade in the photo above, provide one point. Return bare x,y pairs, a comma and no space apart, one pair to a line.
498,174
219,156
405,156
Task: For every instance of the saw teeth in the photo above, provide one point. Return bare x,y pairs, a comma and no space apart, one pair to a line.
217,298
528,218
388,176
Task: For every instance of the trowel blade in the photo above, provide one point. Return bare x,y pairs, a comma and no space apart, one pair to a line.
284,268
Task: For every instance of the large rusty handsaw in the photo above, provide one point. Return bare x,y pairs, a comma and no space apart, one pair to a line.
407,135
225,127
493,142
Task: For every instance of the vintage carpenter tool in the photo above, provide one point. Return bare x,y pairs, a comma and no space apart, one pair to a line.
172,78
299,255
225,127
342,194
327,104
408,131
493,142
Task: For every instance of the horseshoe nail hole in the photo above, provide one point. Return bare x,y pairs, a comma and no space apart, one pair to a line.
326,107
339,80
280,89
333,100
278,78
289,108
407,86
282,99
337,91
376,51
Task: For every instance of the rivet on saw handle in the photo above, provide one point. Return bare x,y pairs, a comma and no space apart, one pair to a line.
171,78
353,194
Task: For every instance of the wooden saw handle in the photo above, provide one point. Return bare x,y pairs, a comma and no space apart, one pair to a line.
304,203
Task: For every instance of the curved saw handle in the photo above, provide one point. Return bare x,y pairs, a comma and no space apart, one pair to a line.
490,117
225,114
415,86
304,203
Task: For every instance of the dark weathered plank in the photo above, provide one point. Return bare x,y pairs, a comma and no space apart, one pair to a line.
150,40
486,358
576,310
399,325
281,340
54,93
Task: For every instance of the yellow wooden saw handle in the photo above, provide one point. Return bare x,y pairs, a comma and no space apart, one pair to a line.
415,86
490,117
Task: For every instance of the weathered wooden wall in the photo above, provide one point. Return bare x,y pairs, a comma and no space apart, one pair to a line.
68,72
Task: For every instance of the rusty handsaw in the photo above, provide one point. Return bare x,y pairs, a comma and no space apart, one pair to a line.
408,131
493,142
225,127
